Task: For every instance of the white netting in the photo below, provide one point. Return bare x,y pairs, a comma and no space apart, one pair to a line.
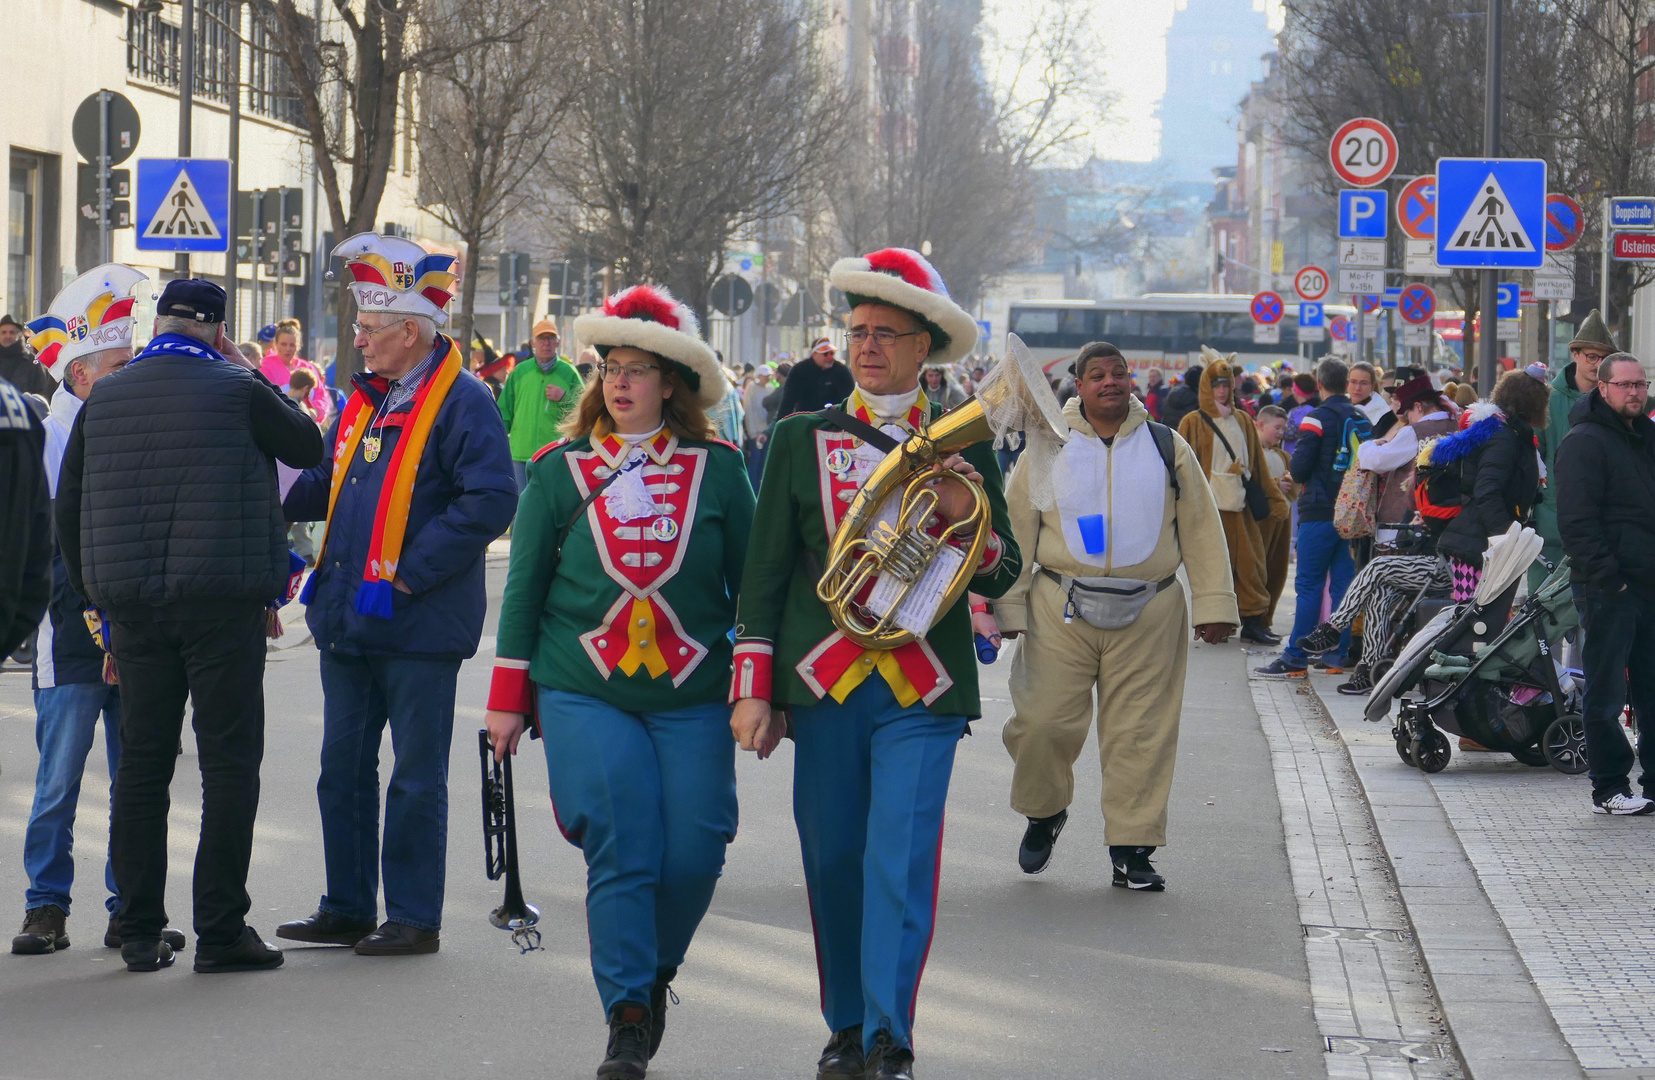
1015,397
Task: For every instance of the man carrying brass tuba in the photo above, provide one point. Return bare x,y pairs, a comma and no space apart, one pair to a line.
875,727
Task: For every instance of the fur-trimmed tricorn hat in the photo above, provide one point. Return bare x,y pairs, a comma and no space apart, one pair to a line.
903,278
650,318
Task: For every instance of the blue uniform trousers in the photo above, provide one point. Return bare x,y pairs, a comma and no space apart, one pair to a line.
869,787
650,798
361,696
66,716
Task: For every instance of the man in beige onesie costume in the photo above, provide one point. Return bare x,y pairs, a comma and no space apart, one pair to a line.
1121,525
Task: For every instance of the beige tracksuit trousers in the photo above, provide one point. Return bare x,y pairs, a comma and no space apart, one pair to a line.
1138,674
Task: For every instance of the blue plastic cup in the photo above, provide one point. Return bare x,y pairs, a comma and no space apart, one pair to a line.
1091,533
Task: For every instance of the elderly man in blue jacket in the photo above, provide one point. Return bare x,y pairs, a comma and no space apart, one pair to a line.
418,484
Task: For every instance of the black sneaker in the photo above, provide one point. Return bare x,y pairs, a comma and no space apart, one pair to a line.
888,1061
628,1055
43,931
658,998
147,955
249,952
1133,871
1254,630
1039,838
1279,668
1320,640
1360,684
842,1058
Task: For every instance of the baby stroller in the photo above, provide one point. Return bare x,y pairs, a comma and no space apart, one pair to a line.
1481,672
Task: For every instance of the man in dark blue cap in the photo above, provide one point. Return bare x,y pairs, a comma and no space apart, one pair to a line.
170,522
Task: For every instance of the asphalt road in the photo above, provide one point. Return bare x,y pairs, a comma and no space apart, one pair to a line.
1056,976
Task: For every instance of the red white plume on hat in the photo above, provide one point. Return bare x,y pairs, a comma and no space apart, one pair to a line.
650,318
903,278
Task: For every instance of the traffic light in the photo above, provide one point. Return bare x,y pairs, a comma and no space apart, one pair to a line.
292,232
521,274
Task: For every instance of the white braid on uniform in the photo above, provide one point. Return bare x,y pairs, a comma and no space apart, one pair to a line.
1378,592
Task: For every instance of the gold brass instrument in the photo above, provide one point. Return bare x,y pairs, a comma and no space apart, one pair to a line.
865,547
500,849
862,550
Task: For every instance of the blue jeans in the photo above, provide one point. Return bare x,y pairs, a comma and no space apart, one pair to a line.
1322,552
65,718
870,781
361,694
650,799
1619,661
520,470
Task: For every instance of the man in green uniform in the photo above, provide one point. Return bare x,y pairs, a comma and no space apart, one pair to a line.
875,729
536,398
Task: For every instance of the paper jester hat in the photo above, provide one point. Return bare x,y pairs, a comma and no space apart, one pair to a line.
92,313
903,278
398,277
650,318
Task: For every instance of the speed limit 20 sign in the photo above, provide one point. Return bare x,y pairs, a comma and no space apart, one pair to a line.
1363,152
1311,283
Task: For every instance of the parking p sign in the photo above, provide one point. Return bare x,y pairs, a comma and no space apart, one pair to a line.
1362,214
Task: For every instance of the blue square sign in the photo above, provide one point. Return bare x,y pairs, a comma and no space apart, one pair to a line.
183,204
1362,214
1491,212
1310,314
1508,299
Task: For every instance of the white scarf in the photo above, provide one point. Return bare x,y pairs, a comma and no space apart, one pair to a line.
889,406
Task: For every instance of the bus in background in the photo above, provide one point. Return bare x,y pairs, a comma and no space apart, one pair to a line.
1162,330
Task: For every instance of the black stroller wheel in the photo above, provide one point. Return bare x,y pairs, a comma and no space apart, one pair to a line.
1431,751
1380,670
1564,744
1402,741
1534,755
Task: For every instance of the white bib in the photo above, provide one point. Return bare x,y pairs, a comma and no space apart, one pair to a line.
1126,484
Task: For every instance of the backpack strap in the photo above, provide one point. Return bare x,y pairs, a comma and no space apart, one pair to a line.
837,417
1169,455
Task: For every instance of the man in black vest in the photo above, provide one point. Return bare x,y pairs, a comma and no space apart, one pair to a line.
170,522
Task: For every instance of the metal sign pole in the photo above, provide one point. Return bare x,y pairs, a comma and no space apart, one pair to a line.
186,98
232,267
1603,266
1488,345
104,254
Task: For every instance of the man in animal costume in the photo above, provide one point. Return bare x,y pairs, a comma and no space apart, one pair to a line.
1098,605
418,483
1227,445
876,730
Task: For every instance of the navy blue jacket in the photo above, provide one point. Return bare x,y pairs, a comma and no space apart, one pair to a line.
1325,451
464,497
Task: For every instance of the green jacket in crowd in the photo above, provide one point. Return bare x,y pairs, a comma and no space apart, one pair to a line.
1563,398
531,420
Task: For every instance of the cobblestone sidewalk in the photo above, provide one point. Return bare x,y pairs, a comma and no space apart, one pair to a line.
1574,890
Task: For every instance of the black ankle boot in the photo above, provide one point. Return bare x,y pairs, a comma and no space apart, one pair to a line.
842,1058
628,1054
888,1060
658,998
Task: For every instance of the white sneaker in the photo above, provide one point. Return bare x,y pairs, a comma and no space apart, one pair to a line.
1623,803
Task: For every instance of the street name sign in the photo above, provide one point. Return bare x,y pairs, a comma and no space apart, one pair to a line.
1491,213
1631,212
1632,247
1363,152
1362,215
183,204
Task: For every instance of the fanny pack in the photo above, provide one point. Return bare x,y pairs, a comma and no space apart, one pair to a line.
1105,602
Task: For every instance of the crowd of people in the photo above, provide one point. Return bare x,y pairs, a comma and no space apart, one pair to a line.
670,521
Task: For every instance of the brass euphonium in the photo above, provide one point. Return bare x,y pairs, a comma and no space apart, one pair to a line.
865,547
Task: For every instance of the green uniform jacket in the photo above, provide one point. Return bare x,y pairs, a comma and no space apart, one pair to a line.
1563,398
531,420
783,632
570,626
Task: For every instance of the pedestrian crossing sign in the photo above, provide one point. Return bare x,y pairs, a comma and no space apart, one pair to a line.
1491,213
183,204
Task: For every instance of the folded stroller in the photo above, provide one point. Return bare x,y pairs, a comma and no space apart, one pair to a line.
1479,671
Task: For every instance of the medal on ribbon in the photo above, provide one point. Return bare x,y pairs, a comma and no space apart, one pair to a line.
664,529
370,448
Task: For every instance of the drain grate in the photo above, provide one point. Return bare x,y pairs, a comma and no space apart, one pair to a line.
1388,1049
1354,933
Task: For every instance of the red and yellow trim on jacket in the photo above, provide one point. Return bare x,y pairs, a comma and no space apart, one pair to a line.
838,665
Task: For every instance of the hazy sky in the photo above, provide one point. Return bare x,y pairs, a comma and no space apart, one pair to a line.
1133,34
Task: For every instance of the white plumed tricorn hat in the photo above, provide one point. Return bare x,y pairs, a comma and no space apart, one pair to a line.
903,278
650,318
